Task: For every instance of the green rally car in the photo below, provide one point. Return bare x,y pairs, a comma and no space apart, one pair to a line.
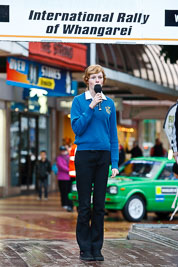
144,184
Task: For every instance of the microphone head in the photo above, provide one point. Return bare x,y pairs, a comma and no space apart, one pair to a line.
97,88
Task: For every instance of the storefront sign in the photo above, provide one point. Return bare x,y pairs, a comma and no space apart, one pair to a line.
29,74
72,56
116,21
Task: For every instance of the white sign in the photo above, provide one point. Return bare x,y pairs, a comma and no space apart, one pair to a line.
94,21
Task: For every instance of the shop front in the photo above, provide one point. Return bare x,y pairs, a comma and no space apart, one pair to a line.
32,118
31,84
29,134
3,153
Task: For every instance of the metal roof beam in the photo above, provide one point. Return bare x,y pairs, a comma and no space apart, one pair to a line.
138,85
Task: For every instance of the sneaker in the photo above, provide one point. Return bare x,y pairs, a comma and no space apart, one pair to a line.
86,256
45,198
65,207
97,255
38,198
175,227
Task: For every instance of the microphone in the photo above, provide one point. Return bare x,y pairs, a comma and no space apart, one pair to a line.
98,89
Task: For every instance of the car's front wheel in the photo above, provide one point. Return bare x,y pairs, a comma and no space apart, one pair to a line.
134,210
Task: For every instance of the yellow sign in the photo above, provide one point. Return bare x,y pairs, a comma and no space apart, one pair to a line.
46,83
158,190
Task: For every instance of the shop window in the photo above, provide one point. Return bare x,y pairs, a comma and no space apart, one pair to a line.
2,147
14,148
43,133
28,136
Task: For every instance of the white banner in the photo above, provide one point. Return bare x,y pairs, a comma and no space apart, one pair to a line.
94,21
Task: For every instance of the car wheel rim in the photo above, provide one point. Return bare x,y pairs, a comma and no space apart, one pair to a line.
135,208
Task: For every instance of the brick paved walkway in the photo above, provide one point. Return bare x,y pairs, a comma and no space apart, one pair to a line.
121,253
40,234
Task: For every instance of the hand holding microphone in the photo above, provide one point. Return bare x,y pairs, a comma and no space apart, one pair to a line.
98,97
98,89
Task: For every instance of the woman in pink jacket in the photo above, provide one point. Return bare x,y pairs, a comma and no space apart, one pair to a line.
63,177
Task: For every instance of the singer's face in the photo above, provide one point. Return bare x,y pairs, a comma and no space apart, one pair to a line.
95,79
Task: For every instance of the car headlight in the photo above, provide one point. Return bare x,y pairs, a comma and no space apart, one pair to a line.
74,188
112,190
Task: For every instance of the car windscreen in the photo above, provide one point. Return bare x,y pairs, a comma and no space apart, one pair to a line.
140,168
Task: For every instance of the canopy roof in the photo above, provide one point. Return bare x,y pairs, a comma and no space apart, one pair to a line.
142,64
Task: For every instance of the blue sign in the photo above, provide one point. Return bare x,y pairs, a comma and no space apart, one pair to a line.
29,74
159,198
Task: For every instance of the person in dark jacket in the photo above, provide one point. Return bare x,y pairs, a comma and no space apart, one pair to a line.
175,137
175,154
135,151
43,170
157,150
171,129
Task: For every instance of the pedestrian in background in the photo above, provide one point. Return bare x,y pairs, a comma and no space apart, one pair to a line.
175,170
121,155
64,181
43,170
93,119
72,172
157,150
135,151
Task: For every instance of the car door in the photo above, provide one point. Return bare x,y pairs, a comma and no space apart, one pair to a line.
165,189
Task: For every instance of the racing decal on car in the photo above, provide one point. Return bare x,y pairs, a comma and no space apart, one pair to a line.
166,190
159,198
143,161
161,191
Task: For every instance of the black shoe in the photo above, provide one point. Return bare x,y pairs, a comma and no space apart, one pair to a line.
97,255
86,256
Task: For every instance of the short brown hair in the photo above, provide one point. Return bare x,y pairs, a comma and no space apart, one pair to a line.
92,69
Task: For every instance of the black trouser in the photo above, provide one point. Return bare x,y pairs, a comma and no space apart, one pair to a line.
65,189
91,167
43,183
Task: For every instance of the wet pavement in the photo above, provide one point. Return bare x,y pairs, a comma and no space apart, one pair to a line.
41,233
26,217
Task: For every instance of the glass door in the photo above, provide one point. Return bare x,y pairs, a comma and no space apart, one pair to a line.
28,151
14,148
28,136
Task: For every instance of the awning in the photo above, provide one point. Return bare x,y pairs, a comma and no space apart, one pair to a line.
137,72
